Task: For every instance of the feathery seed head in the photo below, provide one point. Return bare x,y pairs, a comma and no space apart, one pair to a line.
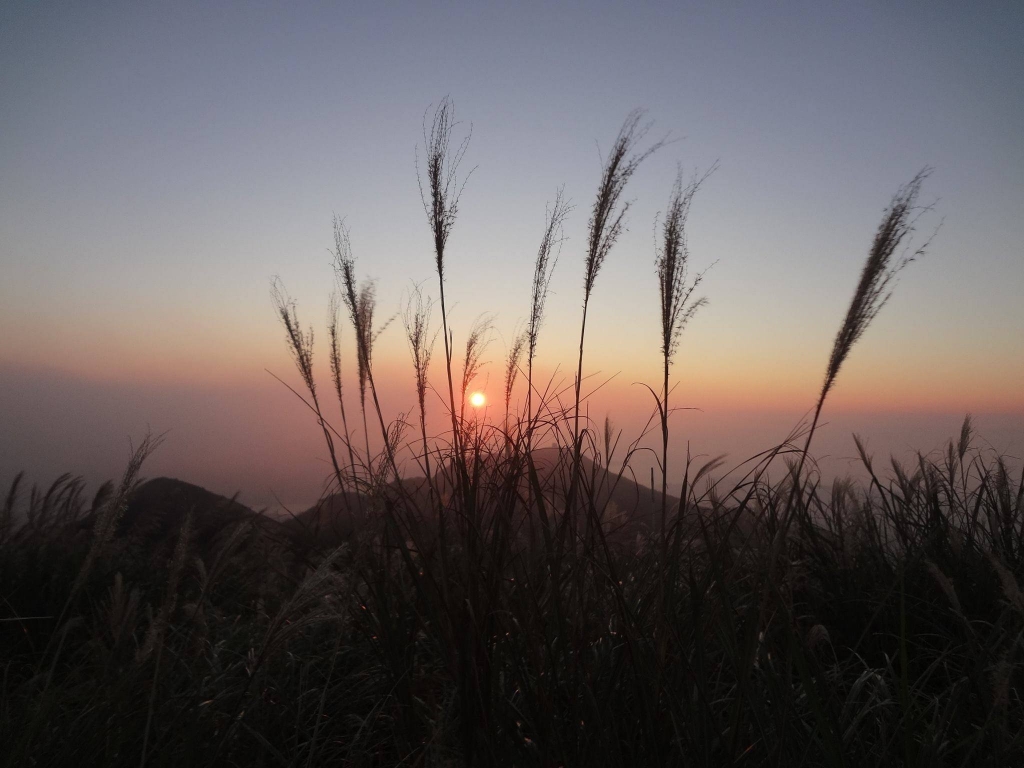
515,354
608,215
890,253
678,304
476,344
547,258
300,343
416,319
443,189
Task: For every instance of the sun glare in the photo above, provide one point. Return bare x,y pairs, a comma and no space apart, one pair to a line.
477,399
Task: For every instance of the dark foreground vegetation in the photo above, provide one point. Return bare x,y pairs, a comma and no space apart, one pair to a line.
883,629
523,602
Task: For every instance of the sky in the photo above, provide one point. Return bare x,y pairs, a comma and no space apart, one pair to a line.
161,162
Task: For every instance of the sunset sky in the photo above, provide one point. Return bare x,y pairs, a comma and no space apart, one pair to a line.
160,163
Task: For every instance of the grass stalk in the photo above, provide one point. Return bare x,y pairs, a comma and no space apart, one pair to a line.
607,222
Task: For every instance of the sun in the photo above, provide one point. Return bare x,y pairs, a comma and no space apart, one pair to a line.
477,399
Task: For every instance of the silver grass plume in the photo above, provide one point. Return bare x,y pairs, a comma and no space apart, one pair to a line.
476,345
672,267
416,319
678,305
441,198
607,218
890,252
512,361
607,222
543,268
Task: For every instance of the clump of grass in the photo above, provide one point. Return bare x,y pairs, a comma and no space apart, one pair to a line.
300,344
361,303
109,514
510,655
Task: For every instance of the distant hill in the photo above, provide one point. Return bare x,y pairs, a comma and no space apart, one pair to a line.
623,501
627,508
157,509
331,520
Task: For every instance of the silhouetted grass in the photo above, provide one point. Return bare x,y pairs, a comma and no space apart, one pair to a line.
528,606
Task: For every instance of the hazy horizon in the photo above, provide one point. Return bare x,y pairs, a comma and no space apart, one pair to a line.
284,462
160,165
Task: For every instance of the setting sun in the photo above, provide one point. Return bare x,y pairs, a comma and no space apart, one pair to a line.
477,399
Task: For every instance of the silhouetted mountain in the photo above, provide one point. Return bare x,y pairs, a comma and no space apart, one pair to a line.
157,509
625,507
331,520
621,500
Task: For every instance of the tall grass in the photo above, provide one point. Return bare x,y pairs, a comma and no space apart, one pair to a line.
607,221
467,620
544,266
416,319
441,205
678,304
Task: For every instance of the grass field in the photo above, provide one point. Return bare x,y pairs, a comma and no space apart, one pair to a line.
523,602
